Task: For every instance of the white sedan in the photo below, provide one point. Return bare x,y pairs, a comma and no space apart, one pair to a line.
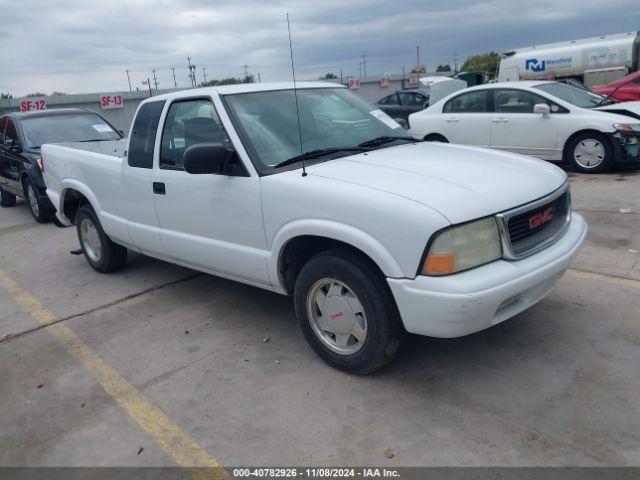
549,120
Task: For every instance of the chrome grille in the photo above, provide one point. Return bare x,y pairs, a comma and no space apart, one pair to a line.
532,227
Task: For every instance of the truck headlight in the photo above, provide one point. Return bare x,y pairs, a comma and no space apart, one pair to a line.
463,247
627,127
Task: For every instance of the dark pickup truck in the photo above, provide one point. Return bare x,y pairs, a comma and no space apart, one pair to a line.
21,136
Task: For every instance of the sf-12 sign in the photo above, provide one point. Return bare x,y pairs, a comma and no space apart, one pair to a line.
385,81
111,101
27,105
414,79
354,83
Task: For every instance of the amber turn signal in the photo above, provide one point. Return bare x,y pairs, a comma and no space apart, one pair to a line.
439,264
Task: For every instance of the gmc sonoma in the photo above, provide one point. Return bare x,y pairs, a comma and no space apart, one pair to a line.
313,192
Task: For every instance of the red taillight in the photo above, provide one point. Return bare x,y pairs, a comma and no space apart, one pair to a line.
40,162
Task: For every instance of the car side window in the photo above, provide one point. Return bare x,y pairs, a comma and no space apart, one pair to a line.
143,135
189,122
637,81
471,102
518,101
409,99
3,124
10,132
389,100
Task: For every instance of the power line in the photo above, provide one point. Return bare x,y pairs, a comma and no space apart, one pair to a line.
128,80
246,70
204,73
364,65
155,80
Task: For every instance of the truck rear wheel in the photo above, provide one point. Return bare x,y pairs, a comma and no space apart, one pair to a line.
347,313
7,199
101,252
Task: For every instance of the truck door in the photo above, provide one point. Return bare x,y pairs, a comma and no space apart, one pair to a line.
12,159
212,222
137,180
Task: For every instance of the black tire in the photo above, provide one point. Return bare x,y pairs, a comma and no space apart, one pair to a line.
39,211
7,199
435,137
384,330
111,256
584,140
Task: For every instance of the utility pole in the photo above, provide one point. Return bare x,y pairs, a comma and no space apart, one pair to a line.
155,80
259,79
173,71
364,65
246,70
455,63
341,77
192,72
360,69
129,80
204,73
417,56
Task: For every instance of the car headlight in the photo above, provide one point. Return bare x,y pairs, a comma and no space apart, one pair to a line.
627,127
463,247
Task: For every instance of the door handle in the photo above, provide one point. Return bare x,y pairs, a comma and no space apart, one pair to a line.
451,120
159,188
499,120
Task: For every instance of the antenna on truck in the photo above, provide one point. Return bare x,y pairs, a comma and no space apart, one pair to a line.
295,93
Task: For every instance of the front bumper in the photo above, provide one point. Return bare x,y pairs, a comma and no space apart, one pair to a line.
467,302
627,146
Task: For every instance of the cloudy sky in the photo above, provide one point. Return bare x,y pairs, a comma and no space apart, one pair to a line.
79,46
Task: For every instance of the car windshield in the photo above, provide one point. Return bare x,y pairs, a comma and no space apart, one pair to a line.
577,96
330,119
77,127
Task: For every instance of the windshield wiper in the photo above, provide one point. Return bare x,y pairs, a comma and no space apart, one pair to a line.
320,152
374,142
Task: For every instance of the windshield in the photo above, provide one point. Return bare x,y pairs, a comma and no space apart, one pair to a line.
80,127
330,118
577,96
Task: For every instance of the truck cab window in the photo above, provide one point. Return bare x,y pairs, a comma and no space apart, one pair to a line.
143,135
189,123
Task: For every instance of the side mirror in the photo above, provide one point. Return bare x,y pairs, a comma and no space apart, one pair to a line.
542,109
205,158
12,145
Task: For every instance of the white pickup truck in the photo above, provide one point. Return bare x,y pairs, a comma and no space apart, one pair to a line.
378,235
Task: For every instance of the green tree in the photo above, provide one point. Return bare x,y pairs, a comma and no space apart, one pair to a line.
36,94
329,76
485,62
5,96
443,68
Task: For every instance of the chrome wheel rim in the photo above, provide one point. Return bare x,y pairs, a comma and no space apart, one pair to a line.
337,316
33,200
90,240
589,153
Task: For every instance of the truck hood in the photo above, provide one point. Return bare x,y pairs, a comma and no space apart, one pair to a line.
630,109
461,183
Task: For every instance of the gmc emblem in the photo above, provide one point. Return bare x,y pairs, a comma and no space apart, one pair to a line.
541,218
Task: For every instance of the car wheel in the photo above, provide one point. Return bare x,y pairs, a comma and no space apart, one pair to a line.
435,137
590,152
101,252
37,209
347,313
7,199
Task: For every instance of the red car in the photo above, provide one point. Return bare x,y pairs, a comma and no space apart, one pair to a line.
628,88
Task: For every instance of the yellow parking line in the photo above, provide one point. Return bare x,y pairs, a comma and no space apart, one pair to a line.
175,442
627,282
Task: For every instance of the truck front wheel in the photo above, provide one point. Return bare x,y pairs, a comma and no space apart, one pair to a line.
101,252
347,313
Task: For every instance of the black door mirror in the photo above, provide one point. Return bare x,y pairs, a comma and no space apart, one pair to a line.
208,158
12,145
